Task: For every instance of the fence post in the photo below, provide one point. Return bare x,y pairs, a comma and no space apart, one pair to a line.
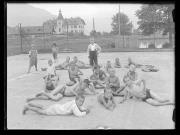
20,36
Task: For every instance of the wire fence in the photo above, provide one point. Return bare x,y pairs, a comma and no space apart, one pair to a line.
20,43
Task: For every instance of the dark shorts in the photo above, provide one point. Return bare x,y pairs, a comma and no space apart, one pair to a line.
54,55
148,95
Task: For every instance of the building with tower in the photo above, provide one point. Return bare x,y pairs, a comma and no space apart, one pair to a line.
72,25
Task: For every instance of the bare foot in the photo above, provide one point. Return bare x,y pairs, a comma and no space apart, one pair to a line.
29,99
24,110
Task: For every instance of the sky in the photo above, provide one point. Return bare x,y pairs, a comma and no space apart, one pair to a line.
102,13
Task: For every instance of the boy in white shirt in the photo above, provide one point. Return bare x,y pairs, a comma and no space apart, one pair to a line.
71,107
93,50
51,68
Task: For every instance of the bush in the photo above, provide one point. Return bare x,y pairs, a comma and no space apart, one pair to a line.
167,45
151,46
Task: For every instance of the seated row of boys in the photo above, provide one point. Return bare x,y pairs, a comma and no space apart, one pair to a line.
111,84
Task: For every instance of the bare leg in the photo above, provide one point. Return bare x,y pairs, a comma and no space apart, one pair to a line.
156,103
55,97
42,97
35,64
34,109
157,98
36,105
29,68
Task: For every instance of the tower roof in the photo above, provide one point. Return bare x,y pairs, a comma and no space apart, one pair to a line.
60,15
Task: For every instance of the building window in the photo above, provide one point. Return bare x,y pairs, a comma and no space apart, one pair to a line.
79,26
59,29
72,31
75,26
39,29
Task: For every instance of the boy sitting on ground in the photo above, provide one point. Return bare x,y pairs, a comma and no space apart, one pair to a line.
113,83
107,99
74,74
98,77
108,66
117,63
71,107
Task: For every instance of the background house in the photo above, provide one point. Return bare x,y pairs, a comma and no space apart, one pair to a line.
72,25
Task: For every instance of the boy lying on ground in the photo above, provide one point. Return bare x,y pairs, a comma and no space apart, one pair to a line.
106,99
132,62
82,87
149,68
140,91
71,107
80,64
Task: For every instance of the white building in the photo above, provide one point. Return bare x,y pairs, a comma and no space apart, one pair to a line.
72,25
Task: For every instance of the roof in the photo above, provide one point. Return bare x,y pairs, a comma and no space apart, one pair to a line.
60,15
73,21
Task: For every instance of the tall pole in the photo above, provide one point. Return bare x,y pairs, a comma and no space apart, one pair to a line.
43,36
67,32
119,25
20,35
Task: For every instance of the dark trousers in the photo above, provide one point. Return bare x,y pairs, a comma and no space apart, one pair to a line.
93,58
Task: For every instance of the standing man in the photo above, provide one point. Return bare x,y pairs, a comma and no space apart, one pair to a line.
93,50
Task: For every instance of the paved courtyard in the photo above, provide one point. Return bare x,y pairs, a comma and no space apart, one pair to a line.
132,114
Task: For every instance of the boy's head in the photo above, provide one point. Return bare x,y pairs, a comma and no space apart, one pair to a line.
85,83
80,100
54,45
50,84
117,59
108,62
50,62
92,40
75,59
132,67
32,46
96,69
68,58
112,72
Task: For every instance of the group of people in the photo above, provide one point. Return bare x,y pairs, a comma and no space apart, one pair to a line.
78,86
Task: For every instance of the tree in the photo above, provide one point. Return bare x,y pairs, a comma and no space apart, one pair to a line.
125,25
153,18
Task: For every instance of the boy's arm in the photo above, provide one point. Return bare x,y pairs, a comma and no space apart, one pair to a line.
81,73
99,48
88,48
117,83
77,112
92,89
